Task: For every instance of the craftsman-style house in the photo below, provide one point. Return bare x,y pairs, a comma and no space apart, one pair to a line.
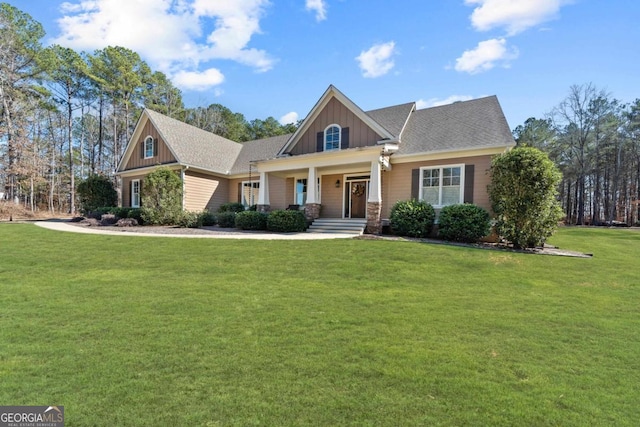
342,162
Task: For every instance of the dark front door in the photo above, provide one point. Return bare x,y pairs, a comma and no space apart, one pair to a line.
358,199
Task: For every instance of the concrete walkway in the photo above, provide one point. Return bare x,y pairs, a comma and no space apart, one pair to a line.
60,225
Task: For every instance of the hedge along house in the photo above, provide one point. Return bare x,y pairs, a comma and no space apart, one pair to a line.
342,162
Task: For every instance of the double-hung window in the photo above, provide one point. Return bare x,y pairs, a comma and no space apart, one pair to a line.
442,185
332,138
250,193
301,192
149,147
135,193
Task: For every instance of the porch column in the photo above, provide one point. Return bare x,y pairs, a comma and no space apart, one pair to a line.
263,193
312,207
374,202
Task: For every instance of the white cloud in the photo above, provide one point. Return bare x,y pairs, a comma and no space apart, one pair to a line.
377,61
289,118
196,80
319,6
485,56
174,36
436,102
513,15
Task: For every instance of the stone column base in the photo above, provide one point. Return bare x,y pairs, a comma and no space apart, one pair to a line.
374,224
263,208
312,211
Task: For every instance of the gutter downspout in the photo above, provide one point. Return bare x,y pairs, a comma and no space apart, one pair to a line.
182,175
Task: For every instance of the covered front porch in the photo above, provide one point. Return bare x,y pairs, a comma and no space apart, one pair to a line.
348,184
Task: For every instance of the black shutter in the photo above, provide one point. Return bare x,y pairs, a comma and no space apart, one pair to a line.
240,192
319,142
344,139
468,183
142,150
155,147
415,183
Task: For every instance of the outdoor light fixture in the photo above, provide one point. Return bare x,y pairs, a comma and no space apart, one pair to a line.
338,183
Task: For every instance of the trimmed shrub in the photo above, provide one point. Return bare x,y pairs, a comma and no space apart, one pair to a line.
161,197
189,220
231,207
208,219
97,213
286,221
136,213
227,219
251,220
413,218
523,190
96,191
463,223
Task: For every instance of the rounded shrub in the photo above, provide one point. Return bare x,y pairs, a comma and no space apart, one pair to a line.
227,219
95,192
208,218
286,221
231,207
251,220
135,213
189,220
413,218
463,223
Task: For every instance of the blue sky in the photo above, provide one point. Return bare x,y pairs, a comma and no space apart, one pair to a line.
276,57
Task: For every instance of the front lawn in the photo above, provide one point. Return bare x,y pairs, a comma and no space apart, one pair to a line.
138,331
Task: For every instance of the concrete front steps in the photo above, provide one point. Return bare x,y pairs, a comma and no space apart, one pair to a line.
337,225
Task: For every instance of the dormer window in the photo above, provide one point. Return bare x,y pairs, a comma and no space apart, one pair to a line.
149,147
332,138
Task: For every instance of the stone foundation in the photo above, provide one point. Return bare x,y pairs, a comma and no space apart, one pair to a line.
263,208
312,211
374,223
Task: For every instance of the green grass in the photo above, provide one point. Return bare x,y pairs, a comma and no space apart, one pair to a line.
162,331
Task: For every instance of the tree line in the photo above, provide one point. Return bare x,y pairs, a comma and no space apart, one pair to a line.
66,115
594,139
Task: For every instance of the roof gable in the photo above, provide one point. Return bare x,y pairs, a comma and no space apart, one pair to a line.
330,94
189,145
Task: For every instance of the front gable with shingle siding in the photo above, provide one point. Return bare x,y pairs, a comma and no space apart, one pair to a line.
354,131
161,153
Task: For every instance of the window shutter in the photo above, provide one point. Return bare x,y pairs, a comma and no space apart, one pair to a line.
155,147
468,183
344,138
319,142
239,192
142,150
415,183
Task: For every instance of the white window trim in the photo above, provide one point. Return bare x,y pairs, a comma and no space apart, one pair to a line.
440,175
153,142
133,204
324,137
253,196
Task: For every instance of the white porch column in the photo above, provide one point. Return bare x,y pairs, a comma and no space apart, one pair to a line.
263,193
375,183
312,186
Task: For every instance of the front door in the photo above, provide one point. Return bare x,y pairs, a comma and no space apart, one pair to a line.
356,199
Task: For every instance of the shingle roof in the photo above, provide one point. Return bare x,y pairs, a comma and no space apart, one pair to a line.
260,149
462,125
393,118
196,147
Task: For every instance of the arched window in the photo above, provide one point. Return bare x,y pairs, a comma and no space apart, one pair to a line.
149,147
332,138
